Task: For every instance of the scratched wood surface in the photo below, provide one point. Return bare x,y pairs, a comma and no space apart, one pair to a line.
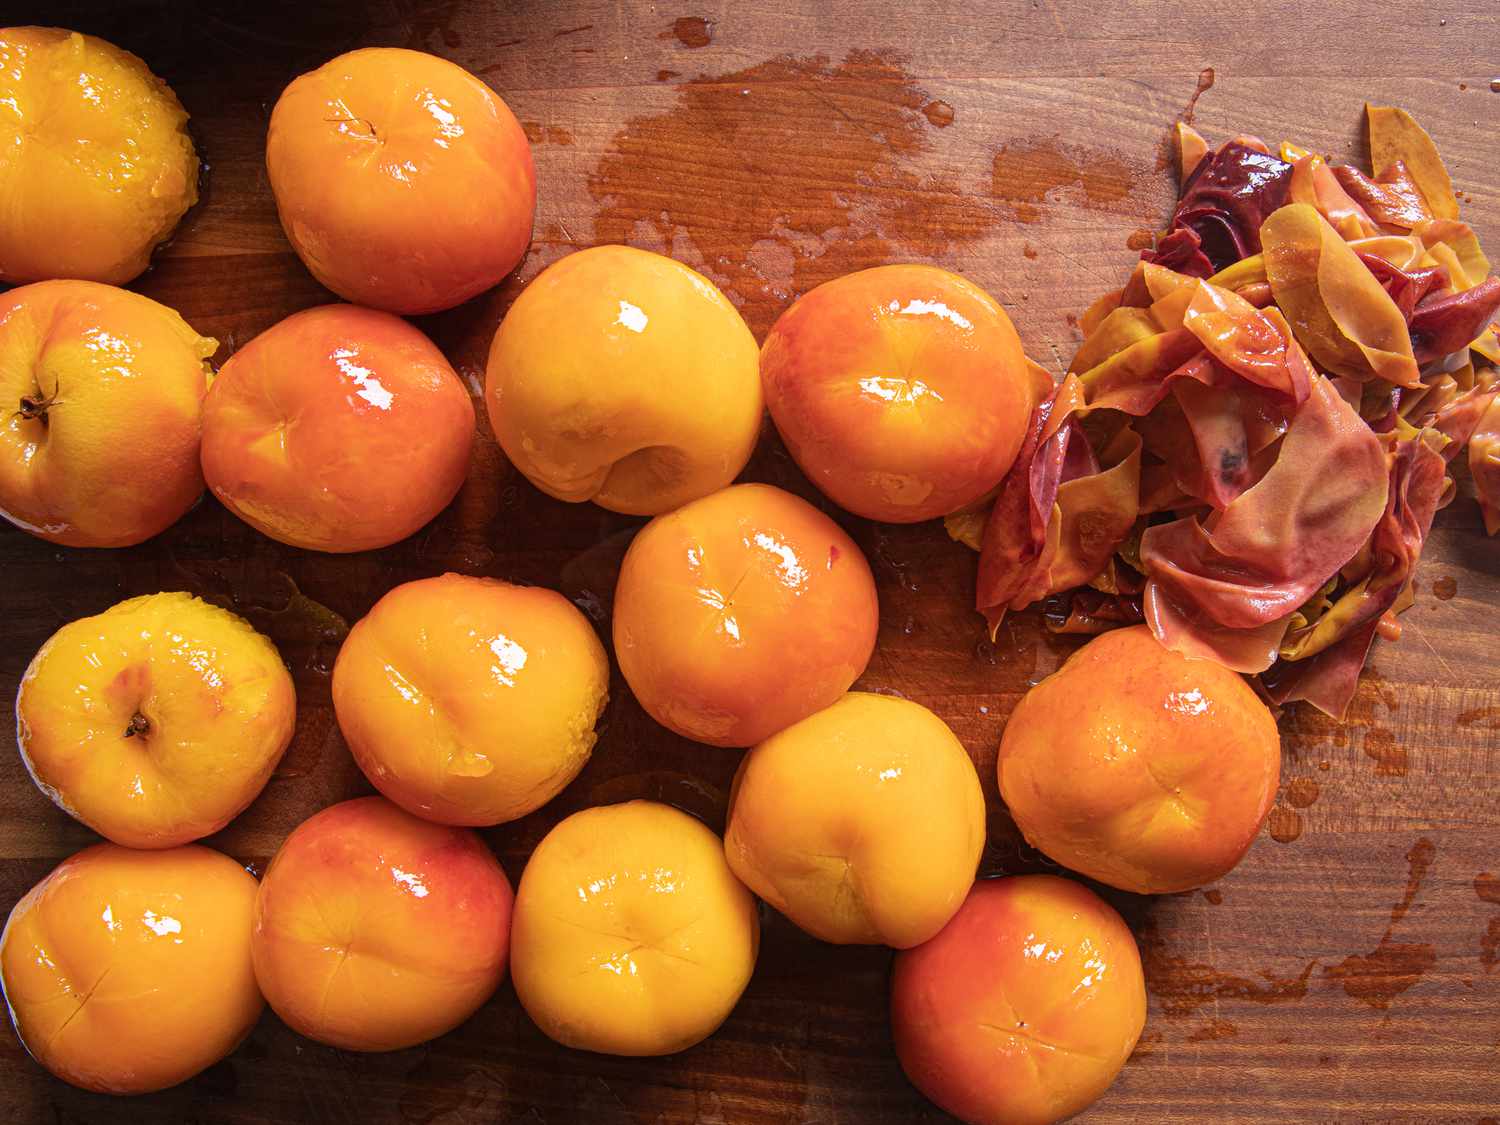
1345,972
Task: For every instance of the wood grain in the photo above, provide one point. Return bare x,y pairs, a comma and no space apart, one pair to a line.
1345,972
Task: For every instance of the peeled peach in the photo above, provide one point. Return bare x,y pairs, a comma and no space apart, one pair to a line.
862,823
403,182
101,406
741,613
469,700
901,391
157,721
337,429
129,971
623,377
1140,767
98,165
632,936
374,930
1024,1008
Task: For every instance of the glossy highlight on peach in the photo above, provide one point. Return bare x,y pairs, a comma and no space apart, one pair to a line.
901,391
741,613
374,930
337,429
129,971
1024,1008
402,181
469,700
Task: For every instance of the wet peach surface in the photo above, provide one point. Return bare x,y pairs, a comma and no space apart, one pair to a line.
796,146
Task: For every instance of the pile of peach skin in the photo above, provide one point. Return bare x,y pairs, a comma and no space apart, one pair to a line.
742,617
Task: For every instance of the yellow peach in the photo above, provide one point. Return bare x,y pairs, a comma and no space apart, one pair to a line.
901,391
469,700
129,971
101,411
631,936
863,823
98,164
1024,1008
741,613
403,182
1140,767
623,377
375,931
157,721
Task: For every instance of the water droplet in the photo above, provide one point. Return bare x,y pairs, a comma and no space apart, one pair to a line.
1495,85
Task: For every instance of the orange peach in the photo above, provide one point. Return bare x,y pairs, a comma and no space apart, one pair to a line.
625,378
157,721
375,931
98,163
337,429
403,182
101,408
863,823
469,700
741,613
1024,1008
901,391
1140,767
632,937
128,971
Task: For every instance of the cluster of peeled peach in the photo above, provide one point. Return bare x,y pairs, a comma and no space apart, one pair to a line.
743,617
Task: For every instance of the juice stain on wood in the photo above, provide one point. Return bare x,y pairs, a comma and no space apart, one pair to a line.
1025,174
1487,887
1214,1029
691,31
1284,825
1378,977
1445,588
778,177
1301,792
940,114
1389,756
1181,986
1205,84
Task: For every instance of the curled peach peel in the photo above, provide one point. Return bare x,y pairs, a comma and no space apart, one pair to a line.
625,378
157,721
632,936
99,166
1140,767
101,401
402,181
863,823
374,930
1024,1008
742,613
470,700
129,971
901,391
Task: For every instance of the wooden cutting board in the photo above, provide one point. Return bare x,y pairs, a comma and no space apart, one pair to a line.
1346,971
